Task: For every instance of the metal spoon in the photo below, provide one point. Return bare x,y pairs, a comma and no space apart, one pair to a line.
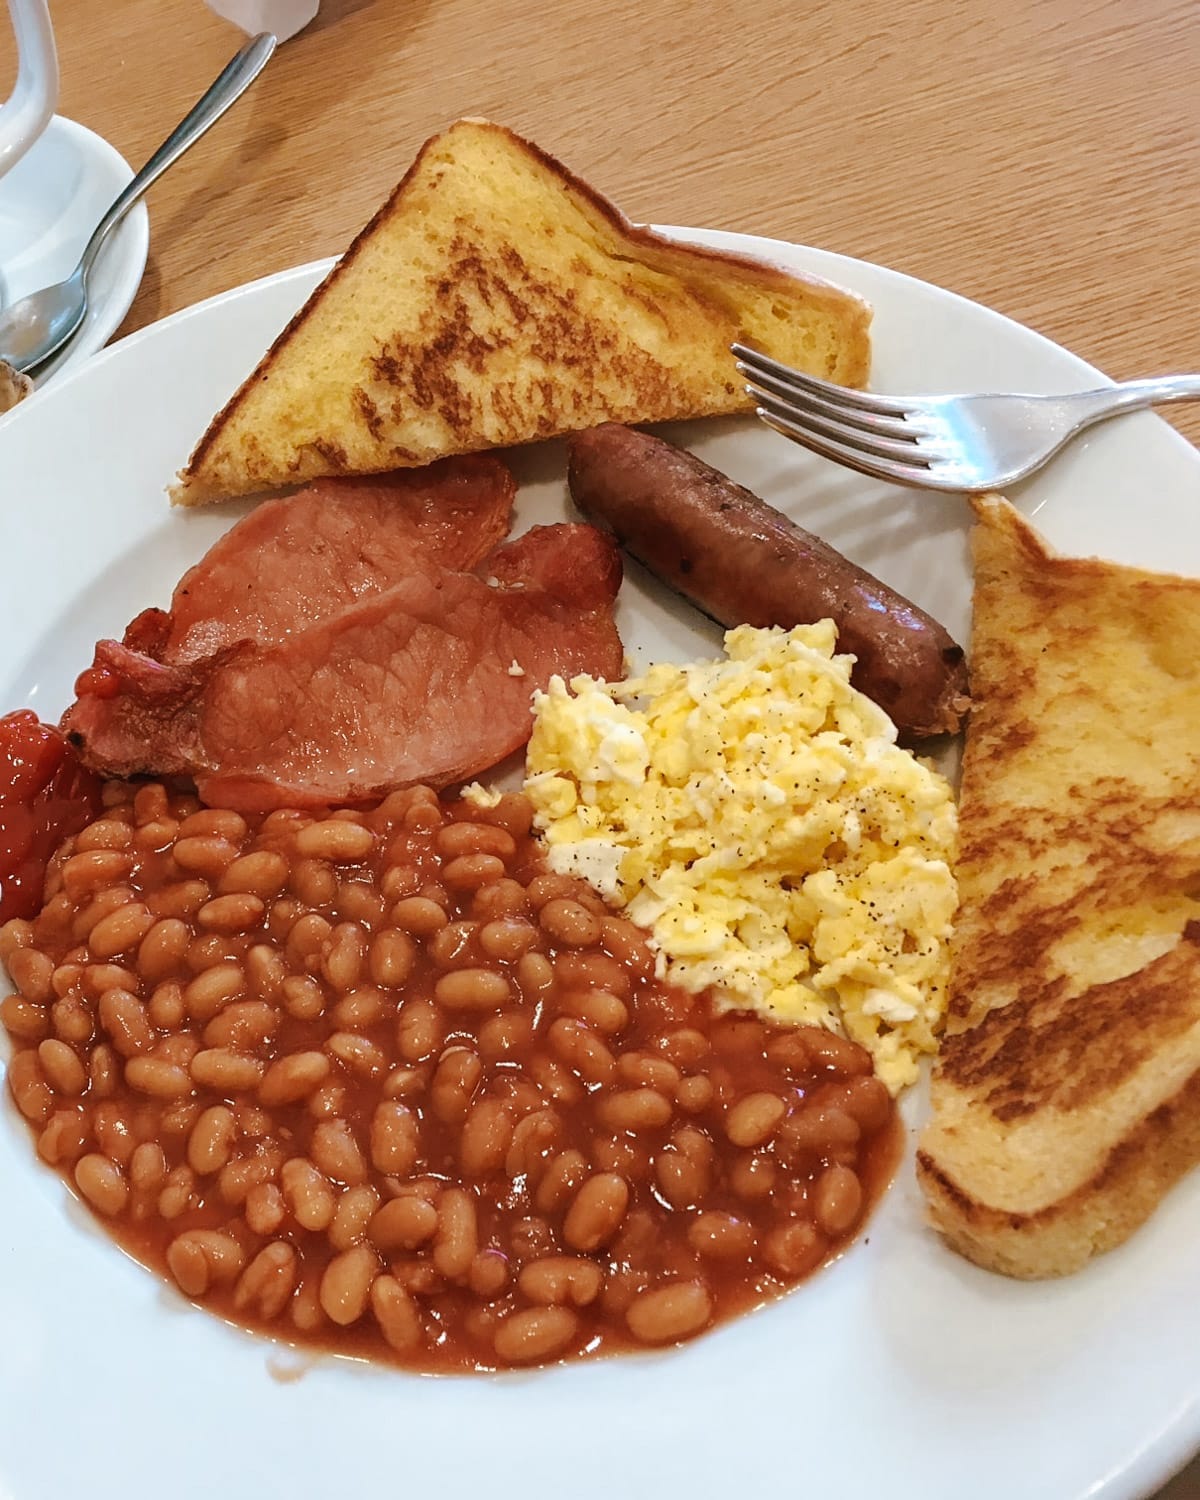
37,326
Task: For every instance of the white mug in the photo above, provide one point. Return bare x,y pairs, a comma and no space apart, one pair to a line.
31,104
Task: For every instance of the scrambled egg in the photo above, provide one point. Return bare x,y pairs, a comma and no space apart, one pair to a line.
756,815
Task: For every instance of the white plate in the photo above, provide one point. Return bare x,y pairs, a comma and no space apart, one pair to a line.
901,1370
49,204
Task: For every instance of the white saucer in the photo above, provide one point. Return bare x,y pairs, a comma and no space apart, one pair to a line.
49,204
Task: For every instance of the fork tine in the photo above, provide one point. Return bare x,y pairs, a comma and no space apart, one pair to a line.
916,455
850,458
809,384
906,428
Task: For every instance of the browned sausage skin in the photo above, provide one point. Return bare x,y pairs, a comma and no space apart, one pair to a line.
743,563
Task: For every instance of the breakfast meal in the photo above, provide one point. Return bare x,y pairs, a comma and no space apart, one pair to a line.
743,562
756,816
1065,1099
372,1042
497,299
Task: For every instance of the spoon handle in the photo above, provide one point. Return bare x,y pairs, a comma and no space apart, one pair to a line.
232,82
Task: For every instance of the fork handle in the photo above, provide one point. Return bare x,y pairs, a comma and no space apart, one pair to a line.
1131,395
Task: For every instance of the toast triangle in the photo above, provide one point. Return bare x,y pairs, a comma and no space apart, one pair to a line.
496,299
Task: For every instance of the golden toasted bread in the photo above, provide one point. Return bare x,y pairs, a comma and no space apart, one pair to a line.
496,299
1066,1100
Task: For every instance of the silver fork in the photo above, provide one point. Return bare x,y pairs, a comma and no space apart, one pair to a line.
962,443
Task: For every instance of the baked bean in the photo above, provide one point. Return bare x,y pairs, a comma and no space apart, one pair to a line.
817,1129
214,822
507,938
205,855
342,964
157,1077
356,1053
721,1236
634,1110
62,1067
337,1153
15,934
601,1010
303,998
103,1071
361,1008
470,871
390,959
794,1249
453,946
593,971
555,1080
683,1170
108,833
148,1168
313,881
236,913
83,874
64,1138
237,1178
694,1094
157,835
402,1224
211,949
181,901
538,1333
506,1033
644,1070
199,1257
670,1313
225,1070
162,950
596,1212
32,973
102,905
561,1279
327,1102
264,1208
627,943
753,1176
570,924
418,915
71,1019
837,1201
355,1209
533,1139
124,1018
457,840
23,1019
308,1194
836,1053
454,1082
210,991
263,874
267,1283
395,1138
293,1077
333,839
501,899
472,990
686,1048
456,1237
865,1100
308,938
582,1051
419,1030
210,1144
565,1174
67,979
356,901
403,1082
754,1119
396,1314
177,1192
244,1025
102,1183
167,1008
398,882
486,1136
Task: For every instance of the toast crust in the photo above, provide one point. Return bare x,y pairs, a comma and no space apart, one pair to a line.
1065,1101
457,354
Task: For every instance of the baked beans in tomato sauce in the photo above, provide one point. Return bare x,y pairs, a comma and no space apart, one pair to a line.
378,1082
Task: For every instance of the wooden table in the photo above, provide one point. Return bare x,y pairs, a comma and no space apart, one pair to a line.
1042,156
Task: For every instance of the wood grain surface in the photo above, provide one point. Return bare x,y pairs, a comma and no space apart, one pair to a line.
1041,156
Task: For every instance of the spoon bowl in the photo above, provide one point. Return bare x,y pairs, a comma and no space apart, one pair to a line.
34,329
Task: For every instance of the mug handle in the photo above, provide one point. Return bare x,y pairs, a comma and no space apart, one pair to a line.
31,104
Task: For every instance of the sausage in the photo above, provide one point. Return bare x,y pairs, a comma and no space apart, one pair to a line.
742,562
